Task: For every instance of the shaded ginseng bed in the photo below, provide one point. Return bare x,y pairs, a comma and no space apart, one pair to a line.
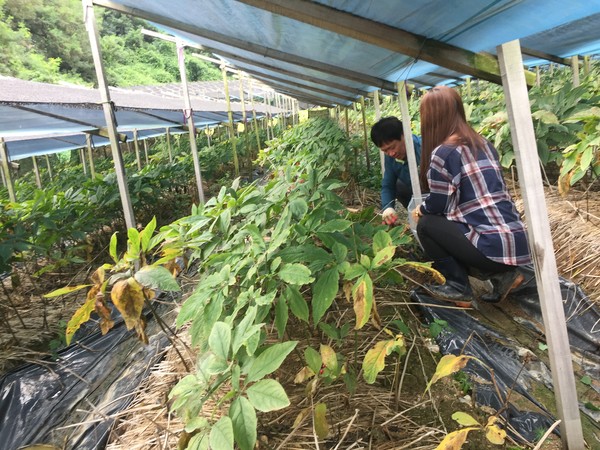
72,402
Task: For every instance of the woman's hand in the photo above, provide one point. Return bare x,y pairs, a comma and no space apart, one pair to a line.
416,214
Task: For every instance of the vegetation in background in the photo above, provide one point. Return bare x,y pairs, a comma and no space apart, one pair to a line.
46,40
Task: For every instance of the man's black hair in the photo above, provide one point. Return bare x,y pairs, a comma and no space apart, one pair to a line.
385,130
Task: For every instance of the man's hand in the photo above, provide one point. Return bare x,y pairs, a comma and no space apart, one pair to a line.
389,216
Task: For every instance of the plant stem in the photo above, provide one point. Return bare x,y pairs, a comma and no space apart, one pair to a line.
165,327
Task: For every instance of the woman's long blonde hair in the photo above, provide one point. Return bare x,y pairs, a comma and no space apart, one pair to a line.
443,121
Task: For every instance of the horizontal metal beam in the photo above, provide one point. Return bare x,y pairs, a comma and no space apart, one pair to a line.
481,65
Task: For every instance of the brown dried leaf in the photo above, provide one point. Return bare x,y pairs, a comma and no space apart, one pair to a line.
104,312
128,297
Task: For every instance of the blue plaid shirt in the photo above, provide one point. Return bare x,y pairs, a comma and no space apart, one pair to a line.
469,189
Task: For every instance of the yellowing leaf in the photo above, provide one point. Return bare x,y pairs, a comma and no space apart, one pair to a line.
363,300
493,432
424,268
464,419
348,290
82,315
328,357
564,184
128,297
375,318
454,440
99,275
301,416
374,361
448,365
320,421
106,322
304,374
384,255
65,290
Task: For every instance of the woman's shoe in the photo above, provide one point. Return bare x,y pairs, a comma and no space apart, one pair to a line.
457,288
460,295
502,284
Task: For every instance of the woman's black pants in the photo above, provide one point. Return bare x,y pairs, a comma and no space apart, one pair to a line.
442,238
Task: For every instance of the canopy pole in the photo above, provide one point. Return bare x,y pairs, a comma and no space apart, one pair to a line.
6,171
90,24
36,171
575,69
146,151
189,115
347,122
244,118
208,133
266,98
3,176
540,242
586,65
365,139
136,146
169,147
232,137
377,117
82,159
49,167
410,146
254,121
88,144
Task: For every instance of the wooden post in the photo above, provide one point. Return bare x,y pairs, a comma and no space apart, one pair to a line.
347,122
3,176
377,117
90,23
575,69
88,143
469,89
136,145
410,146
232,139
254,121
243,98
586,65
169,147
82,159
537,76
36,171
267,119
357,125
6,171
189,115
540,242
49,167
146,151
365,139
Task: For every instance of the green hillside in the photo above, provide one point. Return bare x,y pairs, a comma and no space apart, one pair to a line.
46,40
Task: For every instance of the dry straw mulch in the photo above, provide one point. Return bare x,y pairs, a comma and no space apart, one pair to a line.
392,414
575,228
